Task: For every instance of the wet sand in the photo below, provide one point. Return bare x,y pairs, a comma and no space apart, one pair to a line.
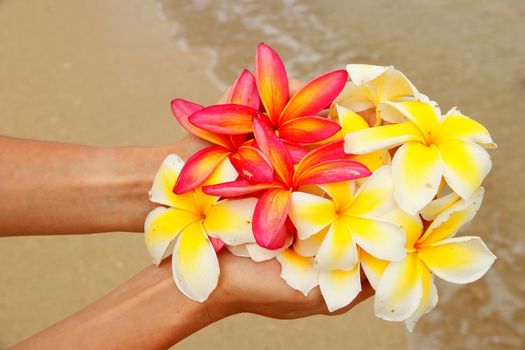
103,73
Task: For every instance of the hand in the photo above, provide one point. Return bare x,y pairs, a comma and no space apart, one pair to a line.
247,286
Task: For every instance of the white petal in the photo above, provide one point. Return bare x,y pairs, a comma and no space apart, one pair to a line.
417,170
298,271
338,250
339,288
161,227
362,73
459,259
310,213
194,263
230,220
400,289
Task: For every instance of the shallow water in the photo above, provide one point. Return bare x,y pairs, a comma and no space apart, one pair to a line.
461,53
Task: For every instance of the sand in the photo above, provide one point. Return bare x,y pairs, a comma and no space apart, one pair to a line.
103,73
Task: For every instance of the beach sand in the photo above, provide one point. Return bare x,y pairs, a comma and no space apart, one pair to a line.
103,73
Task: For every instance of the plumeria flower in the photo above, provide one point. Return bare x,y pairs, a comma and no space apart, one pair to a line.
294,119
324,164
246,158
371,85
197,223
405,289
333,229
433,147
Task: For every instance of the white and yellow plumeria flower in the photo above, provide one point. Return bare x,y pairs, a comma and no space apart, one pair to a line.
370,85
432,148
188,220
333,228
405,289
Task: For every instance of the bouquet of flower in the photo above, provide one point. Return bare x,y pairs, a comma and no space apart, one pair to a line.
344,180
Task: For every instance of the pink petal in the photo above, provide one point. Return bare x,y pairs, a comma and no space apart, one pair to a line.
308,129
272,81
199,167
239,187
244,91
330,151
269,218
315,96
252,164
274,150
332,171
228,119
297,152
182,109
216,243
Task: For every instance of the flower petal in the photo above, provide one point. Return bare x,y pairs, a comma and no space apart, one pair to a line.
332,171
339,287
272,81
341,192
315,96
374,197
244,91
310,213
162,225
298,271
373,160
308,129
330,151
338,250
252,164
448,222
216,243
465,165
417,170
182,109
259,254
224,172
429,298
362,73
297,152
310,246
400,289
412,225
199,167
230,119
239,187
437,206
460,127
239,250
270,215
274,150
372,267
349,120
231,220
195,264
382,239
458,259
422,114
381,137
162,189
358,98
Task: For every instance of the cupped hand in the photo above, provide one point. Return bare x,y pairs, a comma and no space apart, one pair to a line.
256,287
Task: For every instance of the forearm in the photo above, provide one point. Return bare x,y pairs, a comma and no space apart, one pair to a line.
147,312
55,188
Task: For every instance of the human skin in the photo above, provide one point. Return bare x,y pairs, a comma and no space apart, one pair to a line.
55,188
